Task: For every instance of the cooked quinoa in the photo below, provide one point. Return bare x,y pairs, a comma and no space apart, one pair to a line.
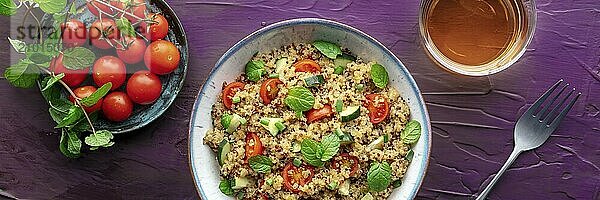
350,87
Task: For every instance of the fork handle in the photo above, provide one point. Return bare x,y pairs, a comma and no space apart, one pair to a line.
513,156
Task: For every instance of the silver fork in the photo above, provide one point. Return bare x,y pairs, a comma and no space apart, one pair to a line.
535,126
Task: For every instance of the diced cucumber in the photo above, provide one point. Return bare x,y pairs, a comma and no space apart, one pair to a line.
313,81
240,182
341,62
281,65
368,196
297,162
378,143
224,149
345,138
344,188
273,125
359,87
232,122
296,147
236,99
339,105
273,75
397,183
269,181
409,155
332,185
350,113
339,70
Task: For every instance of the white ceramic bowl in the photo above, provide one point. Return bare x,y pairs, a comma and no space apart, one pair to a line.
203,163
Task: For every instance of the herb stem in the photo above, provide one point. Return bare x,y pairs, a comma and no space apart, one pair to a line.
115,8
86,116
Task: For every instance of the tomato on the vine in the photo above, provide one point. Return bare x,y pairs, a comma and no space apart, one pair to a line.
73,78
162,57
91,5
293,175
135,7
143,87
346,160
100,31
159,27
314,115
378,106
269,90
133,51
74,33
84,92
229,91
307,65
254,146
117,106
109,69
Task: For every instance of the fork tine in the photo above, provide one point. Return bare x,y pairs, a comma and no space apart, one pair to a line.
545,109
564,112
543,98
549,117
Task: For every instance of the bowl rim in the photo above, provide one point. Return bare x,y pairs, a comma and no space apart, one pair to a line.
332,24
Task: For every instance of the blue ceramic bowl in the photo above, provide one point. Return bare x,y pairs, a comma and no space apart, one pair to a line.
205,168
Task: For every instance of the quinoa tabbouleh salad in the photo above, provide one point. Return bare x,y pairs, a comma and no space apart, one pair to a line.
310,121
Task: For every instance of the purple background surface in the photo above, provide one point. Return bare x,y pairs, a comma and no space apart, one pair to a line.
472,118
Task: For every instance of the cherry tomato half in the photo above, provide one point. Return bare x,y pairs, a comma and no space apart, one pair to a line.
159,27
74,33
133,51
269,90
253,146
229,91
117,106
91,5
162,57
109,69
346,160
378,106
100,31
84,92
144,87
307,65
293,175
314,115
73,78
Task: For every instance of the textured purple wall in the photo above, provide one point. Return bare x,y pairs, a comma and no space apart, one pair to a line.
472,118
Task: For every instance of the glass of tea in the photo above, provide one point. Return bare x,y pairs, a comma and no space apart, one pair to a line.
477,37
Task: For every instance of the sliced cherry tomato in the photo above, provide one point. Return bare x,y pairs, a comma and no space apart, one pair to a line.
347,160
109,69
74,33
143,87
73,78
159,28
253,146
307,65
269,90
133,51
293,175
93,4
84,92
378,106
162,57
314,115
229,91
100,31
117,106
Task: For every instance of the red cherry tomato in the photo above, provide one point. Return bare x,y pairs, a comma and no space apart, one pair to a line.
102,7
269,90
378,106
100,31
162,57
74,33
144,87
117,106
307,65
159,28
347,160
84,92
314,115
133,51
253,146
73,78
229,91
109,69
293,175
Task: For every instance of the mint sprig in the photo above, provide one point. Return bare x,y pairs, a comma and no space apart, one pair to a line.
328,49
379,75
260,163
300,99
411,133
315,153
379,176
255,70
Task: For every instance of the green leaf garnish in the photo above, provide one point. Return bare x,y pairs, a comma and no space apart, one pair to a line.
260,163
331,146
255,70
78,58
300,99
310,149
22,74
225,187
52,81
96,96
75,113
52,6
70,144
7,7
99,139
18,45
379,176
379,76
328,49
125,27
411,132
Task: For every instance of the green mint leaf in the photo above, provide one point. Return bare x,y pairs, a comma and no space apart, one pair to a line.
99,139
70,144
78,58
96,96
125,26
52,81
52,6
310,149
260,163
411,132
328,49
56,115
7,7
255,70
41,53
18,45
61,105
300,99
379,176
379,76
75,113
331,146
83,125
225,187
22,74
